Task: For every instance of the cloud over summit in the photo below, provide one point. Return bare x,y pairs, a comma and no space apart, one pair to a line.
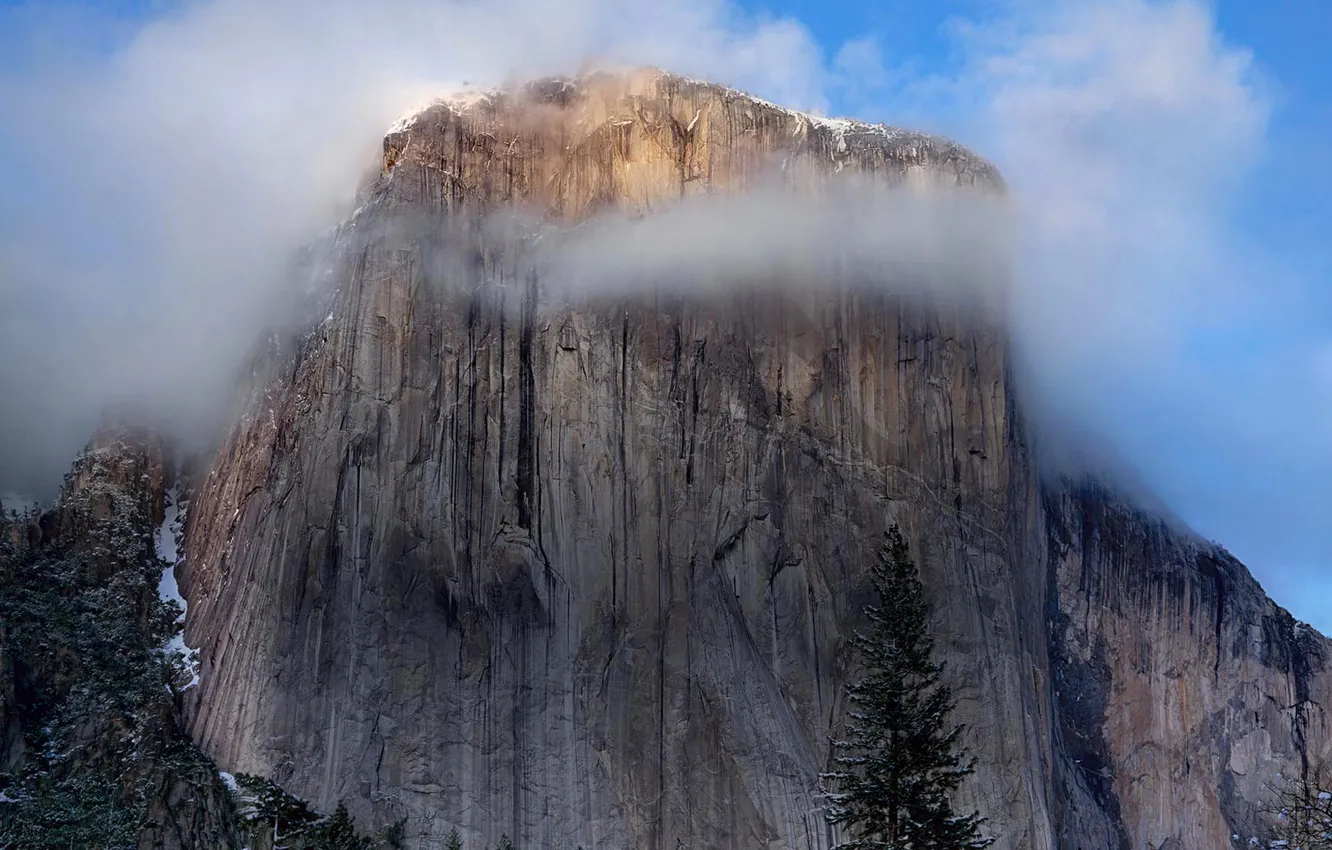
162,181
160,172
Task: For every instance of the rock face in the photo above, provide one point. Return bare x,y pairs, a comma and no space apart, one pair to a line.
1181,690
580,573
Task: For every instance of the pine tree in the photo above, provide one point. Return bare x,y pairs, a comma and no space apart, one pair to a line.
455,840
338,832
504,843
264,802
899,761
394,835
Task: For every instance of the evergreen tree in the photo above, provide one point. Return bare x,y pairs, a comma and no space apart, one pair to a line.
265,803
394,835
78,812
899,761
455,840
504,843
338,833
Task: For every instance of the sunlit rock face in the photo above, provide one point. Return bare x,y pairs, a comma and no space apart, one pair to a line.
580,570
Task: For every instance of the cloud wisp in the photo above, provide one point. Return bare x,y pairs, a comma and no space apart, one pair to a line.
950,245
1132,133
157,186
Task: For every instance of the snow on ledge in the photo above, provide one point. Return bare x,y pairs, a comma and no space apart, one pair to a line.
228,780
168,539
168,550
456,101
463,98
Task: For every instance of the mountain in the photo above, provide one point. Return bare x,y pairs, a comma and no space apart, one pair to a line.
486,554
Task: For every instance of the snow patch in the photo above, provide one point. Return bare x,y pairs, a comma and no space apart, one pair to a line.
405,121
837,124
168,549
229,781
170,534
465,98
190,658
456,101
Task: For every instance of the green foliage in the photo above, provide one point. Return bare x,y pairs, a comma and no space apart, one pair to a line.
394,835
455,840
899,761
265,805
86,623
504,843
289,823
338,832
84,626
77,812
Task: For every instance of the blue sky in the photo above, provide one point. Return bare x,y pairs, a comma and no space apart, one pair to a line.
1249,471
1169,156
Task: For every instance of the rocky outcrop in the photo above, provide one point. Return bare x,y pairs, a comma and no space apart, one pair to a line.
92,751
1182,690
581,571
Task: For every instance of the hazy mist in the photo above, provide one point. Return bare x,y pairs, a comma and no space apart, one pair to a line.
156,187
951,244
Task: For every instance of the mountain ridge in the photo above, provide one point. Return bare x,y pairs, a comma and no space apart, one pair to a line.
466,98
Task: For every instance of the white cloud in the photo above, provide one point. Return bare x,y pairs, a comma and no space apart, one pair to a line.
1131,133
954,245
154,193
1123,127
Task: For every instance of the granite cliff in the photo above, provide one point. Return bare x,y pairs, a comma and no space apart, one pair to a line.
580,571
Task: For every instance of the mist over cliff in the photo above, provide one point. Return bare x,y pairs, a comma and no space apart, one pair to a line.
166,179
546,434
578,568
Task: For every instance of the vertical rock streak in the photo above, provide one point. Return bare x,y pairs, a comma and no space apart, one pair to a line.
609,612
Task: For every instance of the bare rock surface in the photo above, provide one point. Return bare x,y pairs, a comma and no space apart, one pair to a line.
1183,692
581,573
